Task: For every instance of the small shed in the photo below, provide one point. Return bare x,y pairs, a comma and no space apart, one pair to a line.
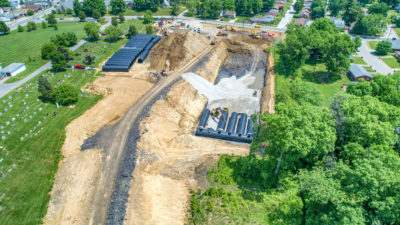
12,69
357,72
230,14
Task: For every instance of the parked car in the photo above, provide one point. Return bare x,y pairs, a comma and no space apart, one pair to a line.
79,66
103,34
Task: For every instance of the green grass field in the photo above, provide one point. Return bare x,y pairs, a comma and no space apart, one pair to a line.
25,46
397,30
31,137
359,60
138,24
373,44
368,69
392,62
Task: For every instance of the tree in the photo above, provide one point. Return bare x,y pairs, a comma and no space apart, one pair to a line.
149,29
370,25
96,14
298,136
3,28
352,12
77,7
66,39
148,17
318,12
55,27
113,33
90,5
132,31
357,42
44,25
58,61
82,16
65,94
379,8
229,5
30,12
121,18
384,47
20,28
174,9
117,6
89,59
391,3
114,21
191,7
361,88
69,11
52,20
44,87
47,50
297,6
92,31
4,3
31,26
335,6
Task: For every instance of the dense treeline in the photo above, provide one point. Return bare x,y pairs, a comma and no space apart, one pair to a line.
314,165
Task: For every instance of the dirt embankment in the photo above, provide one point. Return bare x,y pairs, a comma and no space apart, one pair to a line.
268,95
171,160
79,172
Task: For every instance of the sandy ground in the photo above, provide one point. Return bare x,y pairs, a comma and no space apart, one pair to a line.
268,96
169,154
79,172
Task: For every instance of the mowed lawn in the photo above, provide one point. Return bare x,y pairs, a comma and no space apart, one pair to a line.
141,28
159,12
359,60
373,44
392,62
25,47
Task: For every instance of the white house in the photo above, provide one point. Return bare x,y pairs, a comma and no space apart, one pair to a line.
12,69
14,4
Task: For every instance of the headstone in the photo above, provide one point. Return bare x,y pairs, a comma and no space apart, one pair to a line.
30,116
13,118
22,138
8,122
3,137
27,107
40,109
25,120
8,132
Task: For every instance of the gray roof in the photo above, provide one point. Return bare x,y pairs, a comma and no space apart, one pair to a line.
339,23
12,67
396,44
358,71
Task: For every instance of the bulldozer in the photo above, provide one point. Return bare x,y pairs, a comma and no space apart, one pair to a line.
253,34
221,34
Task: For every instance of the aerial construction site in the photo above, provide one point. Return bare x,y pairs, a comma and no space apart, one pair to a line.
163,122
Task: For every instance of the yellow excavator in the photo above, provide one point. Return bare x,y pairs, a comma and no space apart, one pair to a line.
253,34
217,112
221,34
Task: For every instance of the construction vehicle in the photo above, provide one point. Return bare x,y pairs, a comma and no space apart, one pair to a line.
163,73
257,26
220,27
219,33
254,34
217,112
213,43
230,28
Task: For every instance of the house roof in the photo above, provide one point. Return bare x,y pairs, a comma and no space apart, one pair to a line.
230,13
396,44
358,71
339,23
304,13
12,67
299,21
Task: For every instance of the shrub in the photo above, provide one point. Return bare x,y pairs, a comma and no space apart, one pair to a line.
65,94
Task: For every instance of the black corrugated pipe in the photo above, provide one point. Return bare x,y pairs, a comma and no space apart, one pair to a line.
222,135
242,124
250,128
204,119
222,121
232,123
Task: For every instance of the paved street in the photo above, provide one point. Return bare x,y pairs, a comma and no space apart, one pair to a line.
36,18
288,17
367,54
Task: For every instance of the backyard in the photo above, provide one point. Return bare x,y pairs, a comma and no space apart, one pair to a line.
392,62
29,45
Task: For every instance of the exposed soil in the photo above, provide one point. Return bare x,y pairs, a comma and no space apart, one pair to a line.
79,172
169,154
268,95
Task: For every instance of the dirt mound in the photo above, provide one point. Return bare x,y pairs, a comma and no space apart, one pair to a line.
268,95
170,155
175,50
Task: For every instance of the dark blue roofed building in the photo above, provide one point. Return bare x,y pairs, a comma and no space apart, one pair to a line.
357,72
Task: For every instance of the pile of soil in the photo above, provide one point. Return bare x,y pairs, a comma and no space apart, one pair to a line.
176,50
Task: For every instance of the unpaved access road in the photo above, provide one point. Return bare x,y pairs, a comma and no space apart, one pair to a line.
115,143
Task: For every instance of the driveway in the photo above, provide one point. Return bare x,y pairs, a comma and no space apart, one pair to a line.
367,54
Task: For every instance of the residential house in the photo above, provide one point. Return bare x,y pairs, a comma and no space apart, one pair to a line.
265,19
299,21
339,23
395,45
12,69
306,10
279,6
305,15
230,14
273,12
165,4
397,55
33,7
14,4
357,72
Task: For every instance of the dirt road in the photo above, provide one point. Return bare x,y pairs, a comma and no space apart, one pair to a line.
114,143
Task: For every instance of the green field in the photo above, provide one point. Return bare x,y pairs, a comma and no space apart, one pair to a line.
25,46
397,30
368,69
359,60
392,62
373,44
138,24
30,152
